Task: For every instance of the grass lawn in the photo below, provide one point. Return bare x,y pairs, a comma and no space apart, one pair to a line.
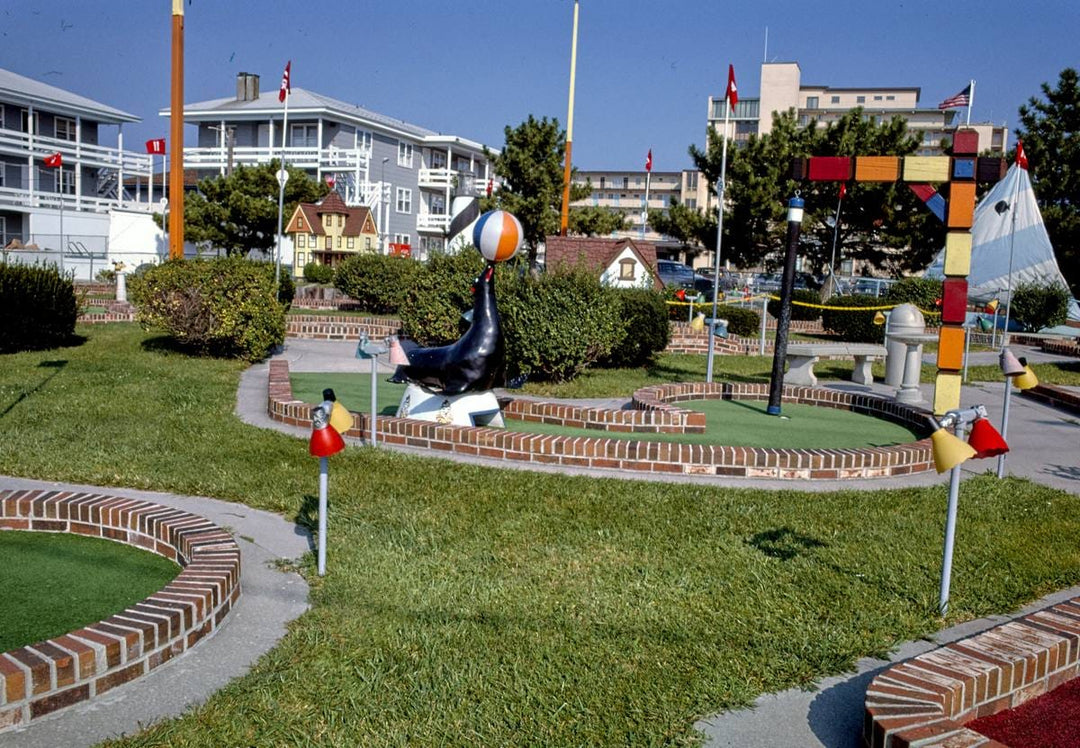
55,583
466,605
743,424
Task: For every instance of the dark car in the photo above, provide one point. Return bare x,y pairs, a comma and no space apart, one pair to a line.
675,274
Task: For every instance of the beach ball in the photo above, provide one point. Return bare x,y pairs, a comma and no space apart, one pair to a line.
498,235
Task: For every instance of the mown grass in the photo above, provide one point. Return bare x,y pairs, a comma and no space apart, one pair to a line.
467,605
55,583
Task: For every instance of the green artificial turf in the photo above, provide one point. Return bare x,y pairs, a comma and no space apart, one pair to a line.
55,583
467,605
351,390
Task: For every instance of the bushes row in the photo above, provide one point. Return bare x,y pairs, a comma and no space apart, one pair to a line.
798,311
853,326
38,308
222,307
379,283
1037,305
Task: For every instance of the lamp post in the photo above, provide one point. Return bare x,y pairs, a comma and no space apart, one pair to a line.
787,284
385,195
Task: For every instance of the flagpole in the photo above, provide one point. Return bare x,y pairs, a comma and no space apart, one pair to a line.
176,114
971,101
283,177
719,237
645,212
564,216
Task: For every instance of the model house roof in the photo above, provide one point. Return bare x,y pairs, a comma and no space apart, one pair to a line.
358,219
19,89
597,254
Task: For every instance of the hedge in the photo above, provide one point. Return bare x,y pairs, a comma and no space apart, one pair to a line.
646,328
38,308
854,326
379,283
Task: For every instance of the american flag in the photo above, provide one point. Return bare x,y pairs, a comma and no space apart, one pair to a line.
961,99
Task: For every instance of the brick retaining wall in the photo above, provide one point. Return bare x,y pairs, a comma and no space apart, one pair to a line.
41,678
642,456
328,327
926,701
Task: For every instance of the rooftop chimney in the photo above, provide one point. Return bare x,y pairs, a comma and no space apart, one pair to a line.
247,86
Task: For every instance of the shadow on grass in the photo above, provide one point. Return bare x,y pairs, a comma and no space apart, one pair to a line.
307,518
784,543
56,365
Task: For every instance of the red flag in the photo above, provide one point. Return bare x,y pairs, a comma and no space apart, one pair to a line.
286,86
648,161
1021,157
55,160
490,186
732,93
843,189
156,146
331,180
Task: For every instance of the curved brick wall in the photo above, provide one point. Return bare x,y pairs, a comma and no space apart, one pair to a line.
641,456
41,678
927,700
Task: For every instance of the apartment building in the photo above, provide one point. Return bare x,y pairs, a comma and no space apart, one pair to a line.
66,181
405,174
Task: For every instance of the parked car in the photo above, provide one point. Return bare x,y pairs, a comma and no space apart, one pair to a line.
872,286
675,274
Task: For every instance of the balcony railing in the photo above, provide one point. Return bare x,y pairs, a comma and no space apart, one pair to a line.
15,143
303,157
463,182
432,222
56,200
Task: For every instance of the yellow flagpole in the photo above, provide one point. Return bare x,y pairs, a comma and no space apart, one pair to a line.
564,217
176,121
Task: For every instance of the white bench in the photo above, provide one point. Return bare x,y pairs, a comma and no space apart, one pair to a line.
801,358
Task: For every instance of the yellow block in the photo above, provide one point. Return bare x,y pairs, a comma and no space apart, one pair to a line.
950,348
877,168
958,253
926,168
946,392
961,205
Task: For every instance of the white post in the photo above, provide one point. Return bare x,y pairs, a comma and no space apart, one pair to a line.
374,399
645,210
950,531
324,472
719,234
764,314
283,177
971,102
1005,331
967,348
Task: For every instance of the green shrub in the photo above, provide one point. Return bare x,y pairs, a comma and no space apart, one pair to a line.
315,272
742,322
647,329
439,293
287,290
38,308
223,307
379,283
854,326
922,292
798,311
1039,305
559,323
105,275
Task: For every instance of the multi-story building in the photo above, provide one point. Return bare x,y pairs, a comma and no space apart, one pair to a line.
782,89
63,191
405,174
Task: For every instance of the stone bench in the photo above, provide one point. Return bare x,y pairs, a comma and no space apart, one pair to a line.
801,358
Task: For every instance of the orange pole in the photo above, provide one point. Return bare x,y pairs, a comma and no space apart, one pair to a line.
176,121
564,216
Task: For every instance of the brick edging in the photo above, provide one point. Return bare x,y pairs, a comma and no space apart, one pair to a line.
42,678
639,456
1059,397
927,700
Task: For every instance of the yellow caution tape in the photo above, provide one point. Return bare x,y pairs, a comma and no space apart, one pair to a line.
884,307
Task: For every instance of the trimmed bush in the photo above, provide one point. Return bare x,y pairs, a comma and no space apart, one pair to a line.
742,322
558,324
798,311
438,294
38,308
922,292
647,329
853,326
379,283
223,307
1039,305
316,273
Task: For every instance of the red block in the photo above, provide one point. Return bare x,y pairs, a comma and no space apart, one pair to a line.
954,301
965,142
830,168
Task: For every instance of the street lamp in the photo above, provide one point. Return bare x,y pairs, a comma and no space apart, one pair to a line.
386,199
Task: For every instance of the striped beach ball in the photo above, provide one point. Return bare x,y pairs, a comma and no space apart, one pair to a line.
498,235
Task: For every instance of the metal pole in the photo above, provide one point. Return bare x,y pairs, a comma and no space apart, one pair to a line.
1004,425
564,215
967,349
374,401
1005,331
764,314
950,530
324,472
787,284
283,177
719,236
176,122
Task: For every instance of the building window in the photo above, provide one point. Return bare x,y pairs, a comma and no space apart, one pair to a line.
3,124
626,183
304,136
24,121
890,98
301,259
367,242
804,120
301,241
404,200
626,269
64,128
860,99
363,140
438,160
438,205
339,242
404,154
877,98
691,203
65,180
329,243
835,100
350,243
402,239
692,180
312,241
299,223
811,102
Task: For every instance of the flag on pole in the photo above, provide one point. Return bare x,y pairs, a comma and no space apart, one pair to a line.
732,93
960,99
286,86
648,161
156,146
1021,157
843,189
331,180
55,160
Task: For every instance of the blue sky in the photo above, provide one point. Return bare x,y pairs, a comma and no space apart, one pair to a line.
645,68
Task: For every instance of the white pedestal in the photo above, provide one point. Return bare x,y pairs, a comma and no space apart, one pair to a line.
469,409
121,287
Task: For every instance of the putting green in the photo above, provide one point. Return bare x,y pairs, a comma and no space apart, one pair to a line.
55,583
734,423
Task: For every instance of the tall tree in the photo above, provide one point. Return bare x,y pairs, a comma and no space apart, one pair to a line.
592,220
238,213
531,167
876,219
1051,135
